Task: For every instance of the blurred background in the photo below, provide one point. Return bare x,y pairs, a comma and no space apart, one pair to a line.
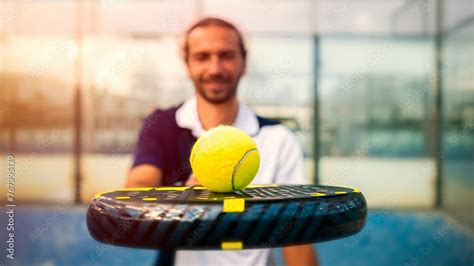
379,93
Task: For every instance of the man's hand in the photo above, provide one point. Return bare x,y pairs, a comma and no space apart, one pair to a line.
145,175
303,255
192,181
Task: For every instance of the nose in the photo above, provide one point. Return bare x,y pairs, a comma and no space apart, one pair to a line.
215,65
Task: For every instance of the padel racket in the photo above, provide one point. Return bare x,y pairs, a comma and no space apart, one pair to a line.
261,216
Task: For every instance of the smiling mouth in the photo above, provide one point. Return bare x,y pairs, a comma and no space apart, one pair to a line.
217,82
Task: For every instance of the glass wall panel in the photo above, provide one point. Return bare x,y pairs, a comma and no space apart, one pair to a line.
36,117
458,110
374,69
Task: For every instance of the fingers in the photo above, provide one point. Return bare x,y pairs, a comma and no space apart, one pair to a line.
192,181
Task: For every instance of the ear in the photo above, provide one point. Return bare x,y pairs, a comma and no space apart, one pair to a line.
188,70
244,68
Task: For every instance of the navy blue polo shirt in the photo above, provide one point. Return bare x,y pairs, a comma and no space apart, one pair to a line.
164,144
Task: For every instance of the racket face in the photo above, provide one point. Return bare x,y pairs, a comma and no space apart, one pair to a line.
195,218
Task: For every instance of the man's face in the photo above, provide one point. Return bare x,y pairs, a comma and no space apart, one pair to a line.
215,62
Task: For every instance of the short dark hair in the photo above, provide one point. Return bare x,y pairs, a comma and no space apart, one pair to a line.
212,21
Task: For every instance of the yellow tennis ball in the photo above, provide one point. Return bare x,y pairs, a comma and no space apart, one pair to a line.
225,159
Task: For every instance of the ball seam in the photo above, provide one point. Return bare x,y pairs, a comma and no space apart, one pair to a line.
236,168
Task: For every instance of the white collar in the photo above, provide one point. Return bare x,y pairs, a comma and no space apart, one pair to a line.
187,117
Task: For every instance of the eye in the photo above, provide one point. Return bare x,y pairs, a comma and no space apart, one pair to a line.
201,56
227,54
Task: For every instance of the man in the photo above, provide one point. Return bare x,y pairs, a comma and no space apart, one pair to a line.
215,56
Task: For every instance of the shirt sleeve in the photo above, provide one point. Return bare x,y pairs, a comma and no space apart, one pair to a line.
290,168
150,146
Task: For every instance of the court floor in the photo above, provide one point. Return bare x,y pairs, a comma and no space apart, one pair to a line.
55,236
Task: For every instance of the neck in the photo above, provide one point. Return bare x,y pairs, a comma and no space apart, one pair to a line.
212,115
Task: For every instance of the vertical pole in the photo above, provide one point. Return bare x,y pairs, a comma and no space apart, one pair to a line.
13,112
78,105
438,109
316,107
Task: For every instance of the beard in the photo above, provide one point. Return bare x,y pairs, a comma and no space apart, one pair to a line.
222,93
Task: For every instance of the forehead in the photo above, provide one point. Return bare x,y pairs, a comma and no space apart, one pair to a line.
212,38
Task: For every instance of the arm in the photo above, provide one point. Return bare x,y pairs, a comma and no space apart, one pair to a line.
149,155
145,175
300,256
